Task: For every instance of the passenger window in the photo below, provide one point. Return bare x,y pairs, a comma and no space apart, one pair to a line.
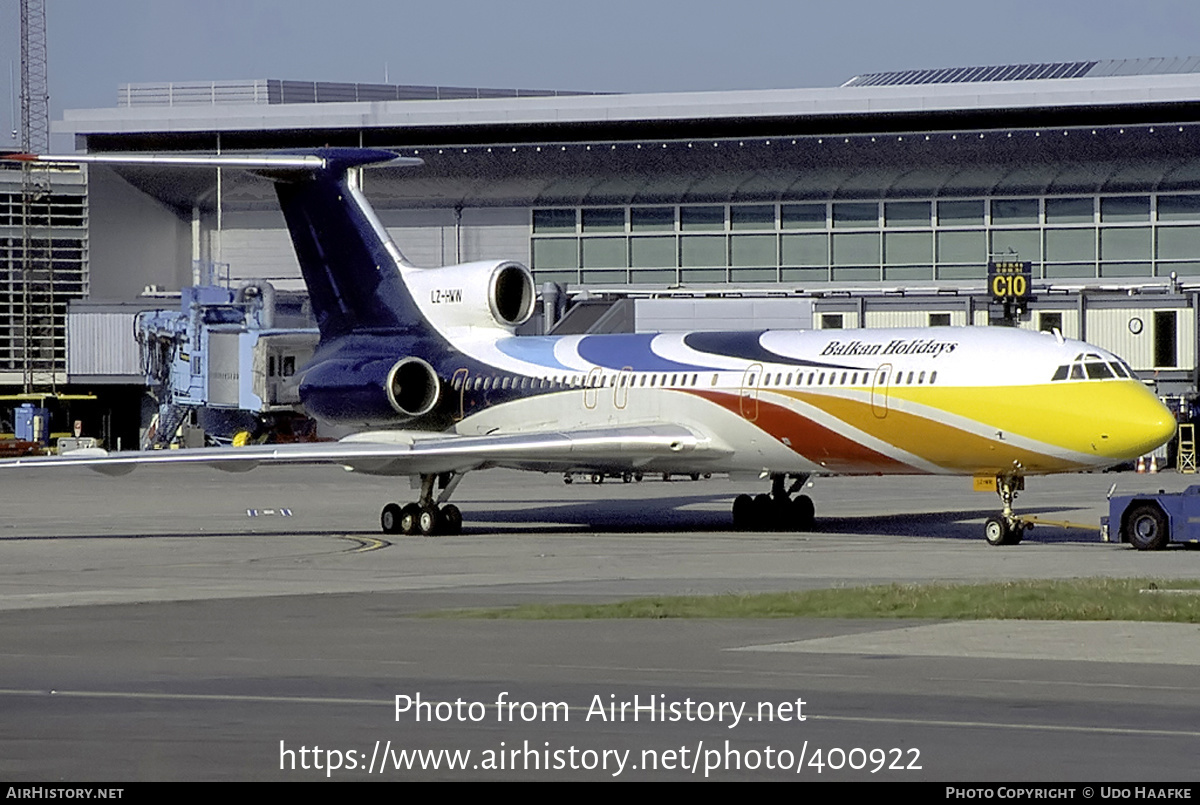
932,378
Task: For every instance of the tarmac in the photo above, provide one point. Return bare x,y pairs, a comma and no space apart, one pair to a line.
194,625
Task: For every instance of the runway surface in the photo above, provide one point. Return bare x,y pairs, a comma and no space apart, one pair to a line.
199,625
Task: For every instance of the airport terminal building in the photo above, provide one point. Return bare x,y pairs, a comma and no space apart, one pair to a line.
876,203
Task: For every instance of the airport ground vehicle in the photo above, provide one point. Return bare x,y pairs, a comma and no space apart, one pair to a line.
1150,520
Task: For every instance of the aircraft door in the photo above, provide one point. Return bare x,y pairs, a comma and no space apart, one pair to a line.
879,390
621,388
591,387
459,381
748,394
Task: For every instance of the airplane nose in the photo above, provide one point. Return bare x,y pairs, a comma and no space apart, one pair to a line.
1151,424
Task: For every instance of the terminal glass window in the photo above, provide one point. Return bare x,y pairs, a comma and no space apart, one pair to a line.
653,252
856,249
1049,322
652,219
753,250
960,213
753,217
1110,235
1018,211
1129,209
802,216
605,253
856,215
702,219
906,213
1018,244
702,250
1179,208
559,221
908,248
604,219
1069,211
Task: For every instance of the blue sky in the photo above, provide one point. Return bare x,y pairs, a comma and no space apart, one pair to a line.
616,45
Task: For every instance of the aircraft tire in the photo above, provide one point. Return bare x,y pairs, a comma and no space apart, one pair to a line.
997,532
452,519
429,521
803,513
1147,528
389,518
408,519
766,515
743,513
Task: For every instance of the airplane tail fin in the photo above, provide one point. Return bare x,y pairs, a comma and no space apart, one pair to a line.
349,262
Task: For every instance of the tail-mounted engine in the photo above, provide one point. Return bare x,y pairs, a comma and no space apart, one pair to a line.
484,294
412,387
347,390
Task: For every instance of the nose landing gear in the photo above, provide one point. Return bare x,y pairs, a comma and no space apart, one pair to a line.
1007,528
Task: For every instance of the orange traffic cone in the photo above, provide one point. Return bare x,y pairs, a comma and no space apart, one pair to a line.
1141,465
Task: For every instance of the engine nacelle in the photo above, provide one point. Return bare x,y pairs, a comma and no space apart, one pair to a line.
484,294
412,387
385,392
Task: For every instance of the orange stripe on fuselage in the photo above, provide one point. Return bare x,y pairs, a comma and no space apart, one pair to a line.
814,441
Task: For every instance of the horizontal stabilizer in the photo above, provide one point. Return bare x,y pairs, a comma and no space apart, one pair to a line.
321,159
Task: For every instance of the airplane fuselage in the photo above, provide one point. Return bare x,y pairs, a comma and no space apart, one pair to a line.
953,400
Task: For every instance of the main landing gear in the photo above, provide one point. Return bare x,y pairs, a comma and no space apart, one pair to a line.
425,517
1007,528
778,511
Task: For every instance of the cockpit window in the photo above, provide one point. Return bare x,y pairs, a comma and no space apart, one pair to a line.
1093,367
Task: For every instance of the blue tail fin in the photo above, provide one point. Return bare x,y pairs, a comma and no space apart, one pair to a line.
350,265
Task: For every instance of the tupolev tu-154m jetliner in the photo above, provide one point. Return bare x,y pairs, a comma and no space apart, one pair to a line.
425,363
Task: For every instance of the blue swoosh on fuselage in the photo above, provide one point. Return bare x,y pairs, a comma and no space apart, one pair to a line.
533,349
630,351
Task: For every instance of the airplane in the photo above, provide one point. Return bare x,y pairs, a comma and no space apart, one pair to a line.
427,366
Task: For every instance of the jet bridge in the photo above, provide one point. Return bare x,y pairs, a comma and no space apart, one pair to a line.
225,362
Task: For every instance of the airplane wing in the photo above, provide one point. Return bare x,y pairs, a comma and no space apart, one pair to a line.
419,453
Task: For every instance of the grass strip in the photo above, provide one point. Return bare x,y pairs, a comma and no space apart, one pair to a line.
1092,599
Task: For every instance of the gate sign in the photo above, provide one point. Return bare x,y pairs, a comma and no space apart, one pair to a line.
1010,281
